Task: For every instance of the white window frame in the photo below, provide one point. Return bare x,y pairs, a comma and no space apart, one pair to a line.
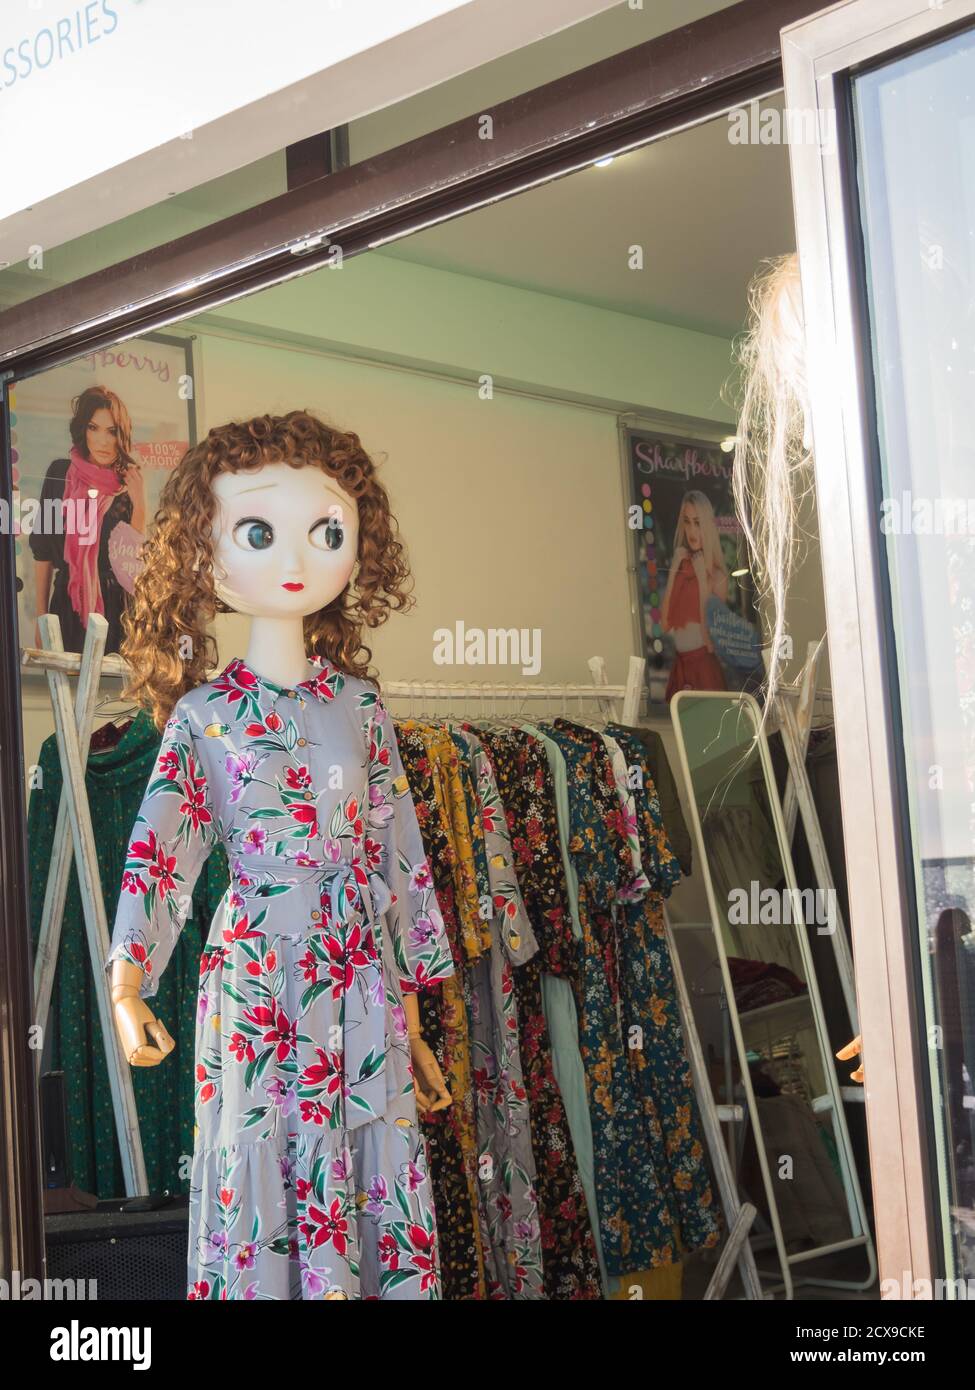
818,55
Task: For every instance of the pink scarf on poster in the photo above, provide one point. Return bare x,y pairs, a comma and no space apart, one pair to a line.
80,547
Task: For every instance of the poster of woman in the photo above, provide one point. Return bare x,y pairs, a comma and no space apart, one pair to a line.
696,610
93,441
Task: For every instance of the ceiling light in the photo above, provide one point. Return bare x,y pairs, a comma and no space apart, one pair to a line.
603,163
728,444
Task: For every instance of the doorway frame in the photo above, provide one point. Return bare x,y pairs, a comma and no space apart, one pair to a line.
676,80
821,55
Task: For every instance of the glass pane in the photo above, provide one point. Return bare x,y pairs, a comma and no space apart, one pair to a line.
764,926
915,131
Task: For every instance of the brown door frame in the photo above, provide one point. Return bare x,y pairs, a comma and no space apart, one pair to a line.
678,79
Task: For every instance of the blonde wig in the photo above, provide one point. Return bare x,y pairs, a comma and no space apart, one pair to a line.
772,473
166,644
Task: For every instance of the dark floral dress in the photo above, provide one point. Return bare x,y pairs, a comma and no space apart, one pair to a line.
525,782
638,1217
650,1013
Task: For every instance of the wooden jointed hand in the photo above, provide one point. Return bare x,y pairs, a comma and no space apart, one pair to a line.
429,1085
846,1054
134,1020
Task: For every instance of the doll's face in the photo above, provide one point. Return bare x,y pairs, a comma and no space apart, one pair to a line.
284,540
692,528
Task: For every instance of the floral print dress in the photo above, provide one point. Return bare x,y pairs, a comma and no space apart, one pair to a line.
309,1175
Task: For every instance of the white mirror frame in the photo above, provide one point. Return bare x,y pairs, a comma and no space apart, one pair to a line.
860,1236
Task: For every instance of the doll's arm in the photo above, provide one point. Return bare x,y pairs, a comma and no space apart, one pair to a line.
173,835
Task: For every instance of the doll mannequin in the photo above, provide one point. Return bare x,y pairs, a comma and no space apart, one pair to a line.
773,455
309,1172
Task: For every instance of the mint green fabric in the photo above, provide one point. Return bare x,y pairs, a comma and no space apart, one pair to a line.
559,1004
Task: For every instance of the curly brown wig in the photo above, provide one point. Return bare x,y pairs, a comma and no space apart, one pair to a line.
166,645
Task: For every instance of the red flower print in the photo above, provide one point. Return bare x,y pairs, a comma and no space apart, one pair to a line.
160,865
194,797
305,814
274,722
422,1255
132,883
239,930
201,1289
298,778
241,1048
389,1252
236,682
254,730
327,1071
279,1030
208,1092
323,1228
225,1196
139,955
309,966
169,764
313,1112
346,957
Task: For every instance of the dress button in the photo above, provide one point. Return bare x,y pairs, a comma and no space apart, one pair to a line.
302,742
315,916
291,694
309,796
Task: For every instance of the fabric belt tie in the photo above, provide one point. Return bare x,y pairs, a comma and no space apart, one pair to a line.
364,1013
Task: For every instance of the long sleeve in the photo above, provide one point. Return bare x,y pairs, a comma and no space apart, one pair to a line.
174,833
395,851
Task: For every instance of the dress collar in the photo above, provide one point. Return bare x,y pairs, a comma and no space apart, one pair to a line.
239,681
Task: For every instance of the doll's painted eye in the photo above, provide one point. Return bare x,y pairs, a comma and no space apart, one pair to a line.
253,534
327,534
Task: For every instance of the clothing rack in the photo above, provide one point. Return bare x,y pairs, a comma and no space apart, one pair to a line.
74,836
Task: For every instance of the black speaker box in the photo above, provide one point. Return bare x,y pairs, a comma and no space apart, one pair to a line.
131,1255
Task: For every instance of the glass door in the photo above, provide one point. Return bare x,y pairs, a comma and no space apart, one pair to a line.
886,230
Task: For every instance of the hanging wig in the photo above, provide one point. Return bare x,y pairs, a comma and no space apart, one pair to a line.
772,471
166,644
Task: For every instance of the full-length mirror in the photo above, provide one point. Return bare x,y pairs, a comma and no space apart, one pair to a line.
792,1149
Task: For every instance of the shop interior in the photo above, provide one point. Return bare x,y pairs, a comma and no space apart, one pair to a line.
498,367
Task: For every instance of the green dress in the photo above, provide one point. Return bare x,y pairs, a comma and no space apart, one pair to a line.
116,780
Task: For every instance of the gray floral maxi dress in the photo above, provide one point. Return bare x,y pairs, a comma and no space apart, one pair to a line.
309,1177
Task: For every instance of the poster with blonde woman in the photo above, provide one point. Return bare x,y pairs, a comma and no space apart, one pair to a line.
695,596
94,442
